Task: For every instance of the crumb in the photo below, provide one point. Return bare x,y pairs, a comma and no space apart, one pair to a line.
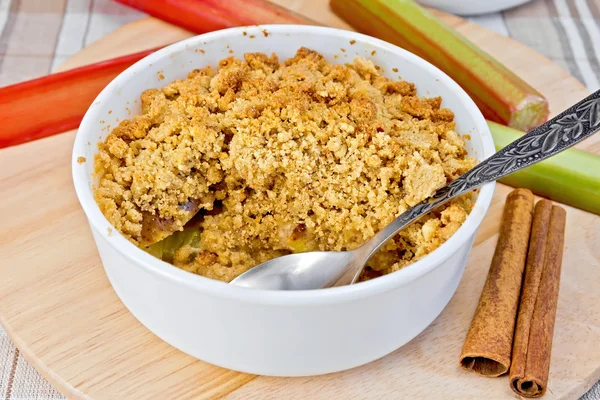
352,42
373,52
230,51
81,159
264,31
102,121
109,112
282,157
244,33
395,69
342,49
251,36
161,77
467,137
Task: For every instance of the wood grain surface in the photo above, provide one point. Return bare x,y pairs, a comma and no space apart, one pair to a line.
59,308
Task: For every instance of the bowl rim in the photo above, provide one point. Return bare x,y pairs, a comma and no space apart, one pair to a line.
100,225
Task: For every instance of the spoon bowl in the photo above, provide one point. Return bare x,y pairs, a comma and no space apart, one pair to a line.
302,271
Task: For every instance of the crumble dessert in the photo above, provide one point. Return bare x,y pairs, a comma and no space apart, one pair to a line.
261,158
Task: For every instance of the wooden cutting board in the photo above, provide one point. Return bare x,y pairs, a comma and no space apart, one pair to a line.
59,308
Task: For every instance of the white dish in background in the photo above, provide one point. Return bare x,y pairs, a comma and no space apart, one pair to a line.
276,332
472,7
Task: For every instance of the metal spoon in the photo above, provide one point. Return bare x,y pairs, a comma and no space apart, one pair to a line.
321,269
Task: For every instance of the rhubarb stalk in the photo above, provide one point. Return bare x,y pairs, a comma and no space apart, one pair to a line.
201,16
500,94
55,103
571,177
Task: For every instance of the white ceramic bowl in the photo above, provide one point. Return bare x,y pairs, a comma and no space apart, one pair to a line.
277,332
472,7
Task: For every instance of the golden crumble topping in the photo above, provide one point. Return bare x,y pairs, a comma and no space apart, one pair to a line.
274,158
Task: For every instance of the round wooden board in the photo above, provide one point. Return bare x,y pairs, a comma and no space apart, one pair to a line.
59,308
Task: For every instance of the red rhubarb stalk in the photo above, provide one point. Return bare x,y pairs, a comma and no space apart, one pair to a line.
201,16
55,103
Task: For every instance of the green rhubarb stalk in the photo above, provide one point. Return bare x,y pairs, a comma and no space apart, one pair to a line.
571,177
500,94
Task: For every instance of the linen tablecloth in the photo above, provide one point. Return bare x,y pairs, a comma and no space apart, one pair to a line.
37,35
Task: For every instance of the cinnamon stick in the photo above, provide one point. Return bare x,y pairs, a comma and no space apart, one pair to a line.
537,311
488,345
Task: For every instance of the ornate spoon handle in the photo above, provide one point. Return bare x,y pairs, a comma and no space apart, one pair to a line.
561,132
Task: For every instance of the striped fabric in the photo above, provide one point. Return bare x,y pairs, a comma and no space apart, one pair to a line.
37,35
566,31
